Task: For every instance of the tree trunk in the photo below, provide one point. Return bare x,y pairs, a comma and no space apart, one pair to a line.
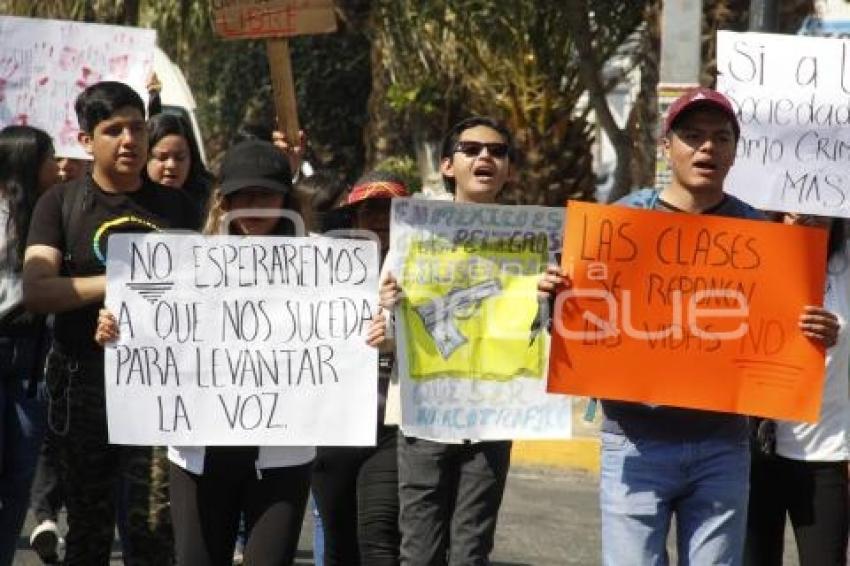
589,69
383,130
130,13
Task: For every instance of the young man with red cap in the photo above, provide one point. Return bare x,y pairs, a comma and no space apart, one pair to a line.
656,460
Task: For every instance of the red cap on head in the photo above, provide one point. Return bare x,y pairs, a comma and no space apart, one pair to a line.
701,97
376,189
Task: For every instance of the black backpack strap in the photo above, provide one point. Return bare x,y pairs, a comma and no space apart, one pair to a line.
74,201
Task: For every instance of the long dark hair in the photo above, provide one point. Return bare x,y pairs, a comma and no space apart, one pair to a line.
23,150
199,181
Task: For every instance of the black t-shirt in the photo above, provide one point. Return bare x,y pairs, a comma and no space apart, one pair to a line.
99,214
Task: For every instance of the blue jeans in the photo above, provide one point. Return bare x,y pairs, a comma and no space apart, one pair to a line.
22,418
644,482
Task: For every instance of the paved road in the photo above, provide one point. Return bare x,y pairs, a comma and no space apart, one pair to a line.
549,518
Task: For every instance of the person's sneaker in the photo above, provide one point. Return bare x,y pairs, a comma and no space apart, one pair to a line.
44,540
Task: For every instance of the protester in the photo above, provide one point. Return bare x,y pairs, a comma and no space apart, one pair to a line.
211,487
27,168
658,461
356,488
315,196
47,494
450,493
64,274
174,159
804,472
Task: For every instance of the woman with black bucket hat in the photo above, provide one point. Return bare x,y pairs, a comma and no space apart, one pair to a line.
212,486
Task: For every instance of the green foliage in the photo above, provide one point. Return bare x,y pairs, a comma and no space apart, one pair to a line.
404,167
232,86
101,11
425,98
332,77
446,59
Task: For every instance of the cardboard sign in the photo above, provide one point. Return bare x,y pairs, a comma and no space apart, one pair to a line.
228,340
792,96
45,64
276,20
690,311
471,349
235,19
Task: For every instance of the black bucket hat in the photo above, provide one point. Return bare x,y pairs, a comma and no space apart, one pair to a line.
255,164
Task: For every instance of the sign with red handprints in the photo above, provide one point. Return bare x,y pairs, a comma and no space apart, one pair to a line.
45,64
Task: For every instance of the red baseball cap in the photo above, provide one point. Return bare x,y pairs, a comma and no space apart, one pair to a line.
376,189
701,97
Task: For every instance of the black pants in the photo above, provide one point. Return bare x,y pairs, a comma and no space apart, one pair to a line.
46,496
356,490
206,508
814,496
92,468
450,496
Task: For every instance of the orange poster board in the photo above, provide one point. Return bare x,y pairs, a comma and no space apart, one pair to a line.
689,311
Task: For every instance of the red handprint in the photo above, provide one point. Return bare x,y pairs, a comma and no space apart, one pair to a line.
87,77
68,132
119,66
24,104
69,58
8,67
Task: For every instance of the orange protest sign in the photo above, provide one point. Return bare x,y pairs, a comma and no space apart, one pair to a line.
689,311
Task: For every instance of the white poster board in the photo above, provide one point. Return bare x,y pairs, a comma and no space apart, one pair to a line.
228,340
472,352
792,96
45,64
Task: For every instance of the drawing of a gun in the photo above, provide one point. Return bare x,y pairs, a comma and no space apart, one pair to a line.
438,315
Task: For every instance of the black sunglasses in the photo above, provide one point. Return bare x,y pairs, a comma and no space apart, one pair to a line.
473,148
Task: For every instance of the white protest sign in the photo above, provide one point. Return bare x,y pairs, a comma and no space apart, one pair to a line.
45,64
471,348
228,340
792,97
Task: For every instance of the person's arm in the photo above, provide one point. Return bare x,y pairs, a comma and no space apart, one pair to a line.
45,291
294,152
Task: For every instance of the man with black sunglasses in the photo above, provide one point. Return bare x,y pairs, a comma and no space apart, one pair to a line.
450,493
